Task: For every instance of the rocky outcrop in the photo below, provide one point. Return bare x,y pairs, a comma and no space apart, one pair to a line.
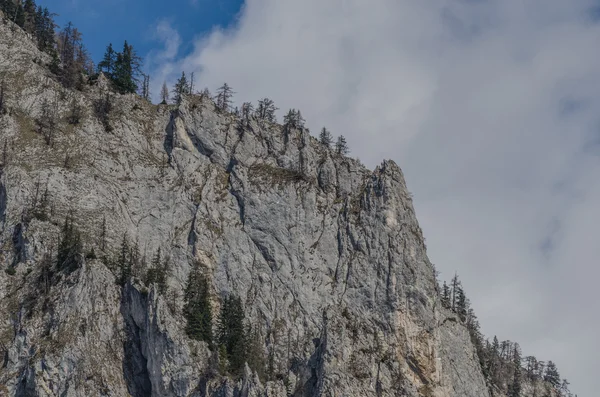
327,255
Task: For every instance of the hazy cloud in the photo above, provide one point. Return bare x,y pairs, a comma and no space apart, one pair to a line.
492,108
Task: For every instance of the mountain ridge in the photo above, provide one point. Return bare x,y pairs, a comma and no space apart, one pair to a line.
328,256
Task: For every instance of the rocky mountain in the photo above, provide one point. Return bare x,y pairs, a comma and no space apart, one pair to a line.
327,256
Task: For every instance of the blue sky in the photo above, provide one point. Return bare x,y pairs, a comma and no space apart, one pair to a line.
103,22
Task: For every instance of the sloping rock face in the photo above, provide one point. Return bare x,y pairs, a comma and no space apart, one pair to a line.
327,256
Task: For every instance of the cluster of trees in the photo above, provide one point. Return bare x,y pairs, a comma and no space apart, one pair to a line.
71,61
124,70
34,19
70,248
501,362
264,112
326,139
235,342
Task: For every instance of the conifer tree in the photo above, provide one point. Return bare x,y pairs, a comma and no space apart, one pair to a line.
341,146
2,85
514,389
231,333
255,352
266,110
127,69
164,94
19,15
146,87
29,9
107,65
181,88
461,304
44,30
247,111
224,95
552,376
446,296
197,309
124,261
69,256
325,138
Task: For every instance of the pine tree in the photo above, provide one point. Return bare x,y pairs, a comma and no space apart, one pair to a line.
514,389
255,352
461,304
266,110
341,147
146,87
164,94
197,309
30,9
454,285
181,88
445,296
231,333
224,95
127,69
124,261
552,376
44,28
69,256
2,107
20,15
107,65
158,272
325,138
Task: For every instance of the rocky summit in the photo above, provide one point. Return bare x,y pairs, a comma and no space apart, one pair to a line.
110,208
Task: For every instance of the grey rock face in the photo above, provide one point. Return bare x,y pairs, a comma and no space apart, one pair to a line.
327,255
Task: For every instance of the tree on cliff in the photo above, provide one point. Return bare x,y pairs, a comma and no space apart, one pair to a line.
180,89
197,309
341,146
70,249
231,336
325,138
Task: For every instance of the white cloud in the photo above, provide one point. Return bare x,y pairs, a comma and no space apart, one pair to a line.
492,110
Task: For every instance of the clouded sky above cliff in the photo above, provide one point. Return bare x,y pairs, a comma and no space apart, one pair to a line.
492,109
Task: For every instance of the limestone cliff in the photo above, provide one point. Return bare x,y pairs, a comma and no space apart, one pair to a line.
327,255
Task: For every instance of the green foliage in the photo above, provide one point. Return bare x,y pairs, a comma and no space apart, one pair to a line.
293,120
255,352
107,64
266,110
231,334
10,271
325,138
500,362
514,390
69,256
157,274
197,309
445,296
552,376
180,89
223,99
341,146
124,262
127,68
